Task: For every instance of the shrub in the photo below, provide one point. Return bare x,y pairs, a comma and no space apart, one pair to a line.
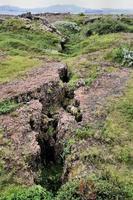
69,191
64,26
116,55
123,56
108,25
110,185
127,20
127,58
81,14
13,24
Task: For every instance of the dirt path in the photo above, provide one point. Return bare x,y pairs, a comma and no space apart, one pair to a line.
95,98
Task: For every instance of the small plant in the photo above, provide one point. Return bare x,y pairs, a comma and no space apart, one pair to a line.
123,56
116,55
51,131
67,148
127,58
85,132
69,191
7,106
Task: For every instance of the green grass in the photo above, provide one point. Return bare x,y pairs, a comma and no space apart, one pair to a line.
79,19
82,69
22,47
14,66
118,127
27,41
112,160
92,44
105,185
108,25
84,132
113,183
69,191
24,193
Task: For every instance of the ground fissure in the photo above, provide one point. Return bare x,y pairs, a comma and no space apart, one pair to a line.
66,125
37,120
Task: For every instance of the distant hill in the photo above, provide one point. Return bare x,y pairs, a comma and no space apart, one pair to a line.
109,11
12,10
62,9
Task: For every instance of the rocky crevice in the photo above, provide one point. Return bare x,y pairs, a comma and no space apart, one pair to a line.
55,127
39,127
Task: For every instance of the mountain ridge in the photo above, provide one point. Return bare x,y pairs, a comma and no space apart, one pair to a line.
14,10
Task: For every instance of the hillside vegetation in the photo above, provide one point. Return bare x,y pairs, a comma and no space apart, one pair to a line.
96,161
21,47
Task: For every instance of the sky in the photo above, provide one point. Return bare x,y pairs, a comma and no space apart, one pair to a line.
83,3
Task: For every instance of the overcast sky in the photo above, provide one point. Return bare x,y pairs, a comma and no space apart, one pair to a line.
83,3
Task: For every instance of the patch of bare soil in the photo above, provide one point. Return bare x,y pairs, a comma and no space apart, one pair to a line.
33,82
94,98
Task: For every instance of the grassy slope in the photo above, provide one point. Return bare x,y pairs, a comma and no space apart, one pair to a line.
20,48
13,66
112,158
